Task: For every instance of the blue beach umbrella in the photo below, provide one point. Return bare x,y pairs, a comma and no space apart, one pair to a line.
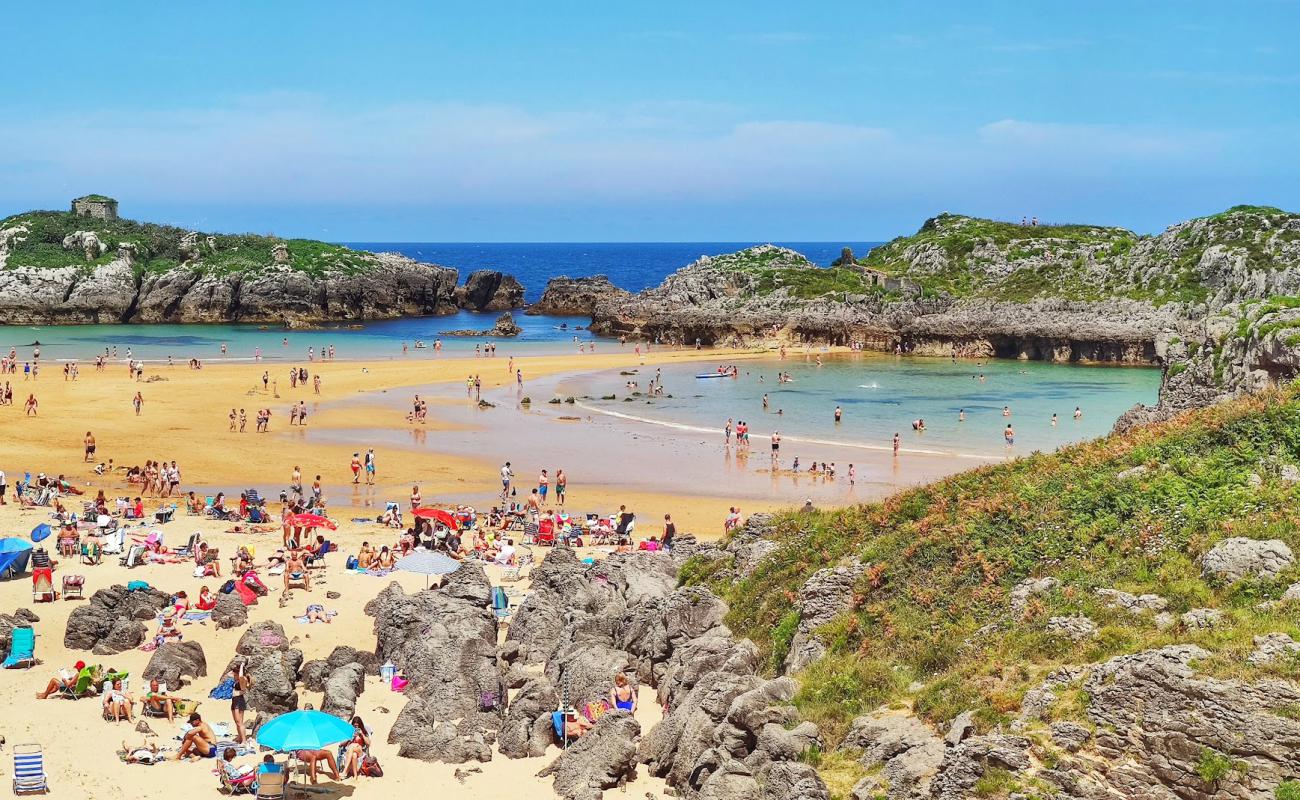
41,532
14,553
303,730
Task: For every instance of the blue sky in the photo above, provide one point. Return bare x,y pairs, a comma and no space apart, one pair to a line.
559,121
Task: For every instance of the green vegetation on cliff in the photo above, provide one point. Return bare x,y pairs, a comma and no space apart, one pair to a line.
965,256
159,248
1132,512
766,269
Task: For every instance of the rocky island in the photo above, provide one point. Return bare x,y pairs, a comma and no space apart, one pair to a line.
88,265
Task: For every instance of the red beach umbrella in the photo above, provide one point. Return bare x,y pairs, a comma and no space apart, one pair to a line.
445,517
312,521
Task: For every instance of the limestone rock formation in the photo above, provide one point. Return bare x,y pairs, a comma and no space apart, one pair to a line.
575,297
174,661
490,290
1238,557
113,620
273,667
827,593
604,757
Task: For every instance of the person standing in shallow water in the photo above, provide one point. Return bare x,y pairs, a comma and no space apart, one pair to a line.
839,414
1010,435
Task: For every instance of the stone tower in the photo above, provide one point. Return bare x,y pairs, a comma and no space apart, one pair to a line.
95,205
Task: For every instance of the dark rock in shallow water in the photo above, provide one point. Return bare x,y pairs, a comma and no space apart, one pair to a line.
489,290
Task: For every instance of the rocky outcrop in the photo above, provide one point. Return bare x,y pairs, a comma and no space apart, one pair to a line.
528,729
444,641
342,687
172,662
489,290
273,667
604,757
230,611
1156,718
114,620
822,598
576,297
1238,557
504,328
906,748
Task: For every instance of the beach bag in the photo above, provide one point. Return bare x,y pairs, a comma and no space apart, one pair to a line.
227,587
224,691
137,586
370,767
352,562
500,600
399,683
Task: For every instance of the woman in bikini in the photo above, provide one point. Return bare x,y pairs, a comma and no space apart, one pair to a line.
623,695
385,560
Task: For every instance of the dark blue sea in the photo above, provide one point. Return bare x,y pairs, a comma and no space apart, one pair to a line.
630,265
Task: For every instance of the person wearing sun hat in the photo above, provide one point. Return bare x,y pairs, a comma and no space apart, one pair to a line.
63,679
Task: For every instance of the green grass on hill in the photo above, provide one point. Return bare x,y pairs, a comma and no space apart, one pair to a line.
944,557
159,247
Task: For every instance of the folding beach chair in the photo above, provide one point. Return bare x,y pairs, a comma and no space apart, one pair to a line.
188,550
43,585
73,587
29,769
270,785
133,556
22,648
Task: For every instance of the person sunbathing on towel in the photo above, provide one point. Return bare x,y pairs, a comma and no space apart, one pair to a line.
199,742
575,724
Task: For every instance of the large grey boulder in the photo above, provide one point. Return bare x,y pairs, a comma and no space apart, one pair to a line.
788,779
444,641
272,666
602,758
174,661
965,764
528,729
114,620
1238,557
230,612
344,684
423,732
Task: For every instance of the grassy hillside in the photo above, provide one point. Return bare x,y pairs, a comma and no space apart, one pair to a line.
967,256
159,247
944,557
767,268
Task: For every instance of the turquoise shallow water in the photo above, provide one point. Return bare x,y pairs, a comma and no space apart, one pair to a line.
881,395
373,340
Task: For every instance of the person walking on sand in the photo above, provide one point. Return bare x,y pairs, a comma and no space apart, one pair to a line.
898,440
137,401
506,475
543,485
853,475
90,446
519,378
356,468
370,466
31,405
561,483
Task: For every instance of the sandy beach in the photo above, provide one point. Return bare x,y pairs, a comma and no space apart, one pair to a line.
184,416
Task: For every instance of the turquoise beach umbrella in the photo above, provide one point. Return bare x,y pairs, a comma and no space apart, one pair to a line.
303,730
